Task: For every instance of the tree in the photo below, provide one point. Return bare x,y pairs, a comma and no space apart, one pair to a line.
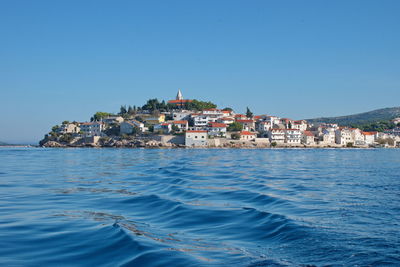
235,136
65,122
100,115
273,144
249,114
235,126
122,110
175,128
290,125
227,109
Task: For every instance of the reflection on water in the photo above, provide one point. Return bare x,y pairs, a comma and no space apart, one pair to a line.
203,207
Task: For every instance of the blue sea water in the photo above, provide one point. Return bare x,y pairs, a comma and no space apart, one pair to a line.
177,207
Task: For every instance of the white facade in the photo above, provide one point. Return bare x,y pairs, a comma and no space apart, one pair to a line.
292,136
344,136
92,128
264,126
276,135
182,115
196,138
217,129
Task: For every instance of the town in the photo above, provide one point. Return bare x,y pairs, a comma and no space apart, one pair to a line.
191,123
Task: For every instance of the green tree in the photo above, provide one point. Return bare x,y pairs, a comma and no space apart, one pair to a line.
273,144
249,114
122,110
235,136
65,122
100,115
227,109
235,126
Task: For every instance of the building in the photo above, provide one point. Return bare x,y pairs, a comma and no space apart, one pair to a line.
300,125
196,138
344,136
276,135
163,128
113,119
370,137
92,128
395,131
327,136
264,126
248,136
69,128
248,125
181,115
217,129
127,127
154,119
179,100
307,138
225,120
181,125
292,136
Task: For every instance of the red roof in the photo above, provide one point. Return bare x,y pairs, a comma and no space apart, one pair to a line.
246,133
369,133
196,131
308,133
226,111
180,122
226,119
245,121
240,115
217,125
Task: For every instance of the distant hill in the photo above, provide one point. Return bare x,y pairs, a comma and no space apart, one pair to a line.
384,114
3,144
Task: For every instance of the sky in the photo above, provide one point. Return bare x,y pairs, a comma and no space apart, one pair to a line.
65,60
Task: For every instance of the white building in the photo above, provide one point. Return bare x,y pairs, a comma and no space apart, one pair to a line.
264,126
127,127
292,136
226,120
370,137
196,138
248,136
216,129
344,136
308,138
182,125
276,135
248,125
92,128
300,125
181,115
328,136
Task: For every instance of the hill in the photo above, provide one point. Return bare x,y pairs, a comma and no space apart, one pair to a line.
384,114
3,144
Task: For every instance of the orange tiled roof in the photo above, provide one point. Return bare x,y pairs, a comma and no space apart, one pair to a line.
180,122
196,131
246,133
217,125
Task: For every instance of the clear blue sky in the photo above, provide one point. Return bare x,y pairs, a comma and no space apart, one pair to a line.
65,60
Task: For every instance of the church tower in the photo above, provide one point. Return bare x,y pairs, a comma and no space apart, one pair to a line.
179,95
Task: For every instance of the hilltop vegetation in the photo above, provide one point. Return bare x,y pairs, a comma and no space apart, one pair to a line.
376,120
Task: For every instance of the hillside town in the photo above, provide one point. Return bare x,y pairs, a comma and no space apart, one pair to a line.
190,123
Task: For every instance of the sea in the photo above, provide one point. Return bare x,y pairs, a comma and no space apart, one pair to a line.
199,207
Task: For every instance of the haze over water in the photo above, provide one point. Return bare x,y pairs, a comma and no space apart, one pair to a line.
204,207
